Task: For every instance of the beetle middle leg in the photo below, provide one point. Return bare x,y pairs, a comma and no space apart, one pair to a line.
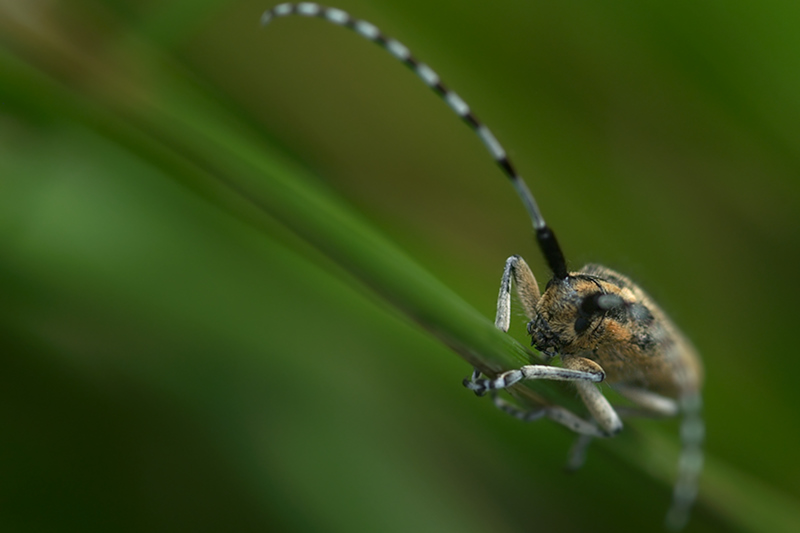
646,404
556,413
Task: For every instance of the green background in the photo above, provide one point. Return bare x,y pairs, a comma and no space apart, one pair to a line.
174,358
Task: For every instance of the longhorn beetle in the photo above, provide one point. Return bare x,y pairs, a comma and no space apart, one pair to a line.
602,325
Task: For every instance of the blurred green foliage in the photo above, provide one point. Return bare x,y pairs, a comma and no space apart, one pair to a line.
187,341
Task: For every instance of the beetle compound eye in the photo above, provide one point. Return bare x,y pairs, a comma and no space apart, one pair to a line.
588,310
599,302
581,324
591,304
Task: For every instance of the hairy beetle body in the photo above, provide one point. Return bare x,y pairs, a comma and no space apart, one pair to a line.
635,343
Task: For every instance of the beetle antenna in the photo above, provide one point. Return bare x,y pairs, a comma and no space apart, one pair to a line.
544,235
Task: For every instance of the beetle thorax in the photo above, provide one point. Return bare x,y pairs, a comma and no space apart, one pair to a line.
562,324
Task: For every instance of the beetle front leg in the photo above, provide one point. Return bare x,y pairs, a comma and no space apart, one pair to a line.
519,273
584,373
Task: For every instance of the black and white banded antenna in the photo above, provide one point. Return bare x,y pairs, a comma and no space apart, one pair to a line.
544,235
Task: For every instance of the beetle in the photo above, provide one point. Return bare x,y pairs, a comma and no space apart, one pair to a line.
602,326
